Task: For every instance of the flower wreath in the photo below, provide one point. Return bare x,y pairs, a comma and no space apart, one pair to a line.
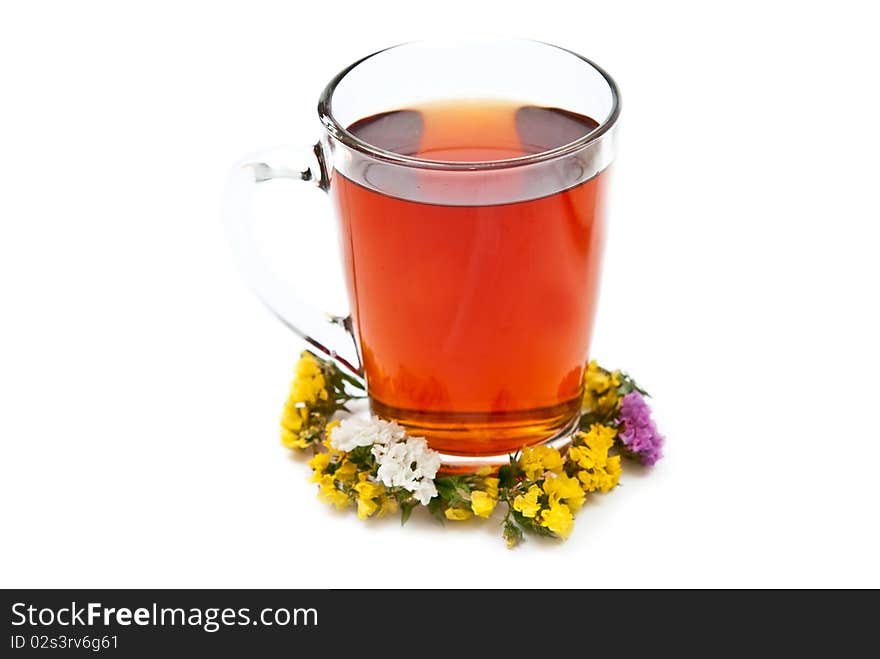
375,465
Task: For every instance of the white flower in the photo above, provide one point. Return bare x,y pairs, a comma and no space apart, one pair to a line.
410,465
403,461
425,491
394,467
355,431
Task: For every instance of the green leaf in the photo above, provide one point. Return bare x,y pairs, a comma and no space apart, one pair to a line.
628,385
463,489
529,524
406,509
445,488
513,535
362,456
353,381
435,507
455,490
507,475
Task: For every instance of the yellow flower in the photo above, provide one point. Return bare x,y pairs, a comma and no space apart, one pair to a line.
558,519
589,480
485,471
530,464
594,446
613,465
293,418
320,462
601,478
607,482
599,470
551,458
600,389
611,474
328,493
578,455
605,404
346,472
292,440
596,378
535,460
308,381
366,507
307,389
491,486
600,437
482,504
457,514
368,492
327,431
389,505
564,488
527,503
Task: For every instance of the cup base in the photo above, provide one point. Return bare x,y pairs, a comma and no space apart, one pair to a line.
460,464
453,463
488,433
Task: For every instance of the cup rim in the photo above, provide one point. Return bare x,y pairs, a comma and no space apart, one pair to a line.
343,135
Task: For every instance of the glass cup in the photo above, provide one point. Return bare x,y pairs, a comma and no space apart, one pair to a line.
472,273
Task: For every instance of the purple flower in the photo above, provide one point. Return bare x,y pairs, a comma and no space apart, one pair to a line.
639,433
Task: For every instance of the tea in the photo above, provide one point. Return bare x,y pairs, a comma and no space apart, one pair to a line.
474,321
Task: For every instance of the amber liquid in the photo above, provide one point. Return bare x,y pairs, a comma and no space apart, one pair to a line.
474,321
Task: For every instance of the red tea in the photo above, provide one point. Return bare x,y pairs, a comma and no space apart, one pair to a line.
474,321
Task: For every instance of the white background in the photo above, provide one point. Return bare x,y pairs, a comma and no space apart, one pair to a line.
142,382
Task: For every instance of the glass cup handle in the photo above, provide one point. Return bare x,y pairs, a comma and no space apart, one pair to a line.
332,335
